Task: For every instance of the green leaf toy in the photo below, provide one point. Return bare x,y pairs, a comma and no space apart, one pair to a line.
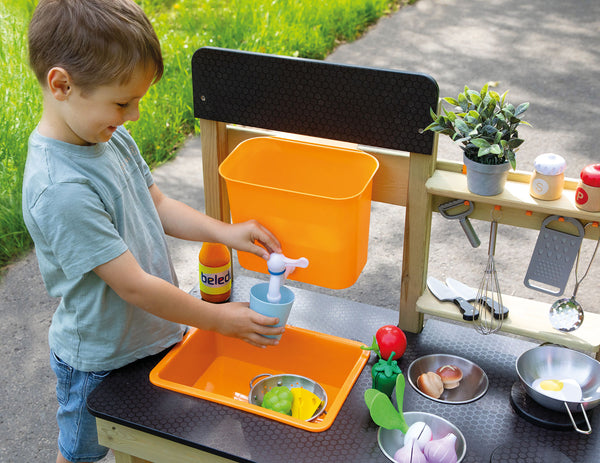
382,410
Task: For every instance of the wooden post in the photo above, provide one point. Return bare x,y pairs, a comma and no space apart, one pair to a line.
417,232
214,151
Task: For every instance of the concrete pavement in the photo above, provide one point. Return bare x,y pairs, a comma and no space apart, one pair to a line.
546,52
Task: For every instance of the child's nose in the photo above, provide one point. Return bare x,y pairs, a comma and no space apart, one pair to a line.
134,112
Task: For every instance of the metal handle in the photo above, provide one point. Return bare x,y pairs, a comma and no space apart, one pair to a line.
470,232
581,431
258,376
493,234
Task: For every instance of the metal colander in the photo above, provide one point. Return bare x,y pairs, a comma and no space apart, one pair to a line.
258,390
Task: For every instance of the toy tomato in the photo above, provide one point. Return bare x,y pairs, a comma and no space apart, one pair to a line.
388,339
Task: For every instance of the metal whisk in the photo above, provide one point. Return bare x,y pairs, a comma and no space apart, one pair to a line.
489,297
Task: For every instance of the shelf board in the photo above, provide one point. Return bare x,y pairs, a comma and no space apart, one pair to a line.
515,195
525,318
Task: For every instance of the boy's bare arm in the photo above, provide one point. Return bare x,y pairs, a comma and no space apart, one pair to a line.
184,222
153,294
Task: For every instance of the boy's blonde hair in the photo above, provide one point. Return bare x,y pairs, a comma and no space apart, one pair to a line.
98,42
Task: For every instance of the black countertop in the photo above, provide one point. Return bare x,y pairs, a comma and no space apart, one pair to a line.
490,425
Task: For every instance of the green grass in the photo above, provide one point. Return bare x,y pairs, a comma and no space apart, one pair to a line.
308,29
19,112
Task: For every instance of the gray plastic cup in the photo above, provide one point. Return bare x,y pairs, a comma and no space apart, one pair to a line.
281,310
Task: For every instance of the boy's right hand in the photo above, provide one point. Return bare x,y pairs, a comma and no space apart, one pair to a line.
238,320
243,236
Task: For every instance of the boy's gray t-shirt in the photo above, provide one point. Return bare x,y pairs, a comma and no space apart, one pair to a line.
84,206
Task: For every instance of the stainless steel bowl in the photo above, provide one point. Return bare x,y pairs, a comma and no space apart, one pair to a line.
472,387
557,362
390,440
258,390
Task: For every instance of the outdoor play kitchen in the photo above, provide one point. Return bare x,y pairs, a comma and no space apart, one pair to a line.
356,382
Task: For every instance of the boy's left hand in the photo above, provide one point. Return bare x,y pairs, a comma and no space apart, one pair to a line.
238,320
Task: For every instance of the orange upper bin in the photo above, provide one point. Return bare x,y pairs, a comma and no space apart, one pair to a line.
316,199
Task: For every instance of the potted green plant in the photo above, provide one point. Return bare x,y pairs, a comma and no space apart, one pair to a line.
486,126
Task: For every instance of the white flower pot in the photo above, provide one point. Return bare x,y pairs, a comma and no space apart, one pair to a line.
484,179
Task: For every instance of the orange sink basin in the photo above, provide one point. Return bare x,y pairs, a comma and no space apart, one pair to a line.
218,368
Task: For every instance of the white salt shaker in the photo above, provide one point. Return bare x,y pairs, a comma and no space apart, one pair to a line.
548,178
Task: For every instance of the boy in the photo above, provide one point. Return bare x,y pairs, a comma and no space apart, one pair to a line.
97,218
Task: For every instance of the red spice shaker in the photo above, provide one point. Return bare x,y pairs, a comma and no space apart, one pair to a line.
587,194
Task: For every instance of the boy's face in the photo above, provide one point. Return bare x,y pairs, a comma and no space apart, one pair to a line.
92,117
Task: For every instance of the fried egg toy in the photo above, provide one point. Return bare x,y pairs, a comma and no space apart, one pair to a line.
567,390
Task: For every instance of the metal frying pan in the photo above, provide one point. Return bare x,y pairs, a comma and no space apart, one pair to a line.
559,363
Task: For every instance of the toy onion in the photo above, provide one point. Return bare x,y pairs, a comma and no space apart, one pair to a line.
418,432
410,454
441,450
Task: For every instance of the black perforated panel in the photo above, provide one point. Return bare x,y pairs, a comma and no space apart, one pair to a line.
374,107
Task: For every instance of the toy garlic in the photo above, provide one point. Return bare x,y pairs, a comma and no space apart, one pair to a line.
441,450
410,454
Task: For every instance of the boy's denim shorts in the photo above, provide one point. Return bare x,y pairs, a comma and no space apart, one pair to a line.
77,437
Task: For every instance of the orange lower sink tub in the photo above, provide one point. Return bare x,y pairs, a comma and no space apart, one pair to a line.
214,367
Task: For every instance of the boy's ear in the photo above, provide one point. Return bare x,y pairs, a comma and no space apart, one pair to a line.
59,83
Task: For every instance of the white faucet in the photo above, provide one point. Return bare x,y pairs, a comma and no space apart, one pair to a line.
277,265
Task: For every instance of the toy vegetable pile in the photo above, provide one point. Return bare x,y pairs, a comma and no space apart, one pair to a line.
297,402
390,344
419,445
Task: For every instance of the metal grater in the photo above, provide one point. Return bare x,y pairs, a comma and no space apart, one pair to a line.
553,257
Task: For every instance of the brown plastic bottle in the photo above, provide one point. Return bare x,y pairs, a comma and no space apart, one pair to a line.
215,272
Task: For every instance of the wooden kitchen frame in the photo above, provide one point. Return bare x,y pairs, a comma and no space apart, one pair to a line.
296,98
342,106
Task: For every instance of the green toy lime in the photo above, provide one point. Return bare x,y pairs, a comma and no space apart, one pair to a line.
279,399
